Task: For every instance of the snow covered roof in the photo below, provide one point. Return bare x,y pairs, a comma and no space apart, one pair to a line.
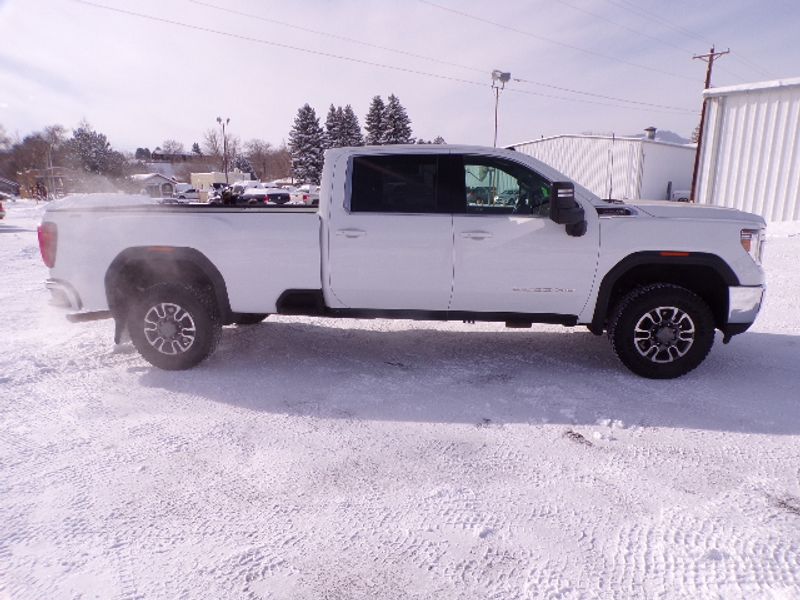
147,176
753,87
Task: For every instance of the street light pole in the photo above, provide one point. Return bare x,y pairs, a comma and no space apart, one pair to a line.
499,79
224,146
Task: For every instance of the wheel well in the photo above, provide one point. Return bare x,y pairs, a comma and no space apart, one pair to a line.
703,280
135,270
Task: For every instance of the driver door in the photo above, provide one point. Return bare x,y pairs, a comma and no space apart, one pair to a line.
508,255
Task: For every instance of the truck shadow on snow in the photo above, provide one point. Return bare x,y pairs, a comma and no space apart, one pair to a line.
496,377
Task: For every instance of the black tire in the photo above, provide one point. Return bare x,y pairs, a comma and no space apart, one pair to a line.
174,326
249,318
661,331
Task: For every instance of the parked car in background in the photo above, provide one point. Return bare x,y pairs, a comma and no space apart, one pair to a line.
307,194
240,187
189,194
264,196
681,196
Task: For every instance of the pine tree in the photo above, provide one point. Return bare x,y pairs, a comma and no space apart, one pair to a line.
351,128
306,141
374,121
396,124
91,151
243,164
340,140
333,128
196,149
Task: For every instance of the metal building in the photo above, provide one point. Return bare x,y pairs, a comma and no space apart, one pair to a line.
750,153
626,168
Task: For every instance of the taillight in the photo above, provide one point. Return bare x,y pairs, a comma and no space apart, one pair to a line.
305,198
48,243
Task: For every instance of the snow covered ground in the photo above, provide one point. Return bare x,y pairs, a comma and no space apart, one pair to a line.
311,459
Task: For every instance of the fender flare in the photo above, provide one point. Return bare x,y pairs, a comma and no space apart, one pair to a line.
159,257
655,258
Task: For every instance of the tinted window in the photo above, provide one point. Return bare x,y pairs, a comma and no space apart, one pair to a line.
497,186
398,184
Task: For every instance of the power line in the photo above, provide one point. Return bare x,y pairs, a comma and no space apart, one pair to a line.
552,41
625,27
646,14
753,65
615,98
349,58
337,36
651,15
662,110
430,58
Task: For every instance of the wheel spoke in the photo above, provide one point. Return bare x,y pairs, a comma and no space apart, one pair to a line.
169,328
664,334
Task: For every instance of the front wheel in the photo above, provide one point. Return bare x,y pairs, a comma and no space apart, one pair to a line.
661,331
174,326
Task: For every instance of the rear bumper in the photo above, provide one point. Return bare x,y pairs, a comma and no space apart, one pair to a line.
63,294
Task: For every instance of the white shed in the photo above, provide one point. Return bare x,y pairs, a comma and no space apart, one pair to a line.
750,154
627,168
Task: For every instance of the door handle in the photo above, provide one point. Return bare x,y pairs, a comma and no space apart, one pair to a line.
476,235
351,233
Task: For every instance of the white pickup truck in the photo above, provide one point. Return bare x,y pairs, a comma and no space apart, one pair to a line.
414,232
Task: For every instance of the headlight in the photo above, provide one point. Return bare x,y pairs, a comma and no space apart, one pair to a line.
753,242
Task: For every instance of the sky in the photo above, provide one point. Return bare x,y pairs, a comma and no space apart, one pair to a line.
586,65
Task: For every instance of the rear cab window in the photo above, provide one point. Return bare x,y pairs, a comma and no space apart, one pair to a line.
410,184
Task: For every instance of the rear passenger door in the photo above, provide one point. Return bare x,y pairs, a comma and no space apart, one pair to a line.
391,247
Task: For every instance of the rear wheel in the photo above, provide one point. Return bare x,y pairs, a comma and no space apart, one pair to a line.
661,331
174,326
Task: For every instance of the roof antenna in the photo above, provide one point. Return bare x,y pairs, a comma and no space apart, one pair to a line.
611,167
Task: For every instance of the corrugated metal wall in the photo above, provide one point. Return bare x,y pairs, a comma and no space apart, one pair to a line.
588,161
751,152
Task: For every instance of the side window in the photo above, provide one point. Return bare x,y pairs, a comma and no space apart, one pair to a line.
395,184
499,187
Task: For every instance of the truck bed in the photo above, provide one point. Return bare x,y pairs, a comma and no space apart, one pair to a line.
262,250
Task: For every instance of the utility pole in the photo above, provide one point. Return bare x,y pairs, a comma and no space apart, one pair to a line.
709,58
224,146
499,79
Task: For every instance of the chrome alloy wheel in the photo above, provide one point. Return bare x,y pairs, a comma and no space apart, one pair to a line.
169,328
664,334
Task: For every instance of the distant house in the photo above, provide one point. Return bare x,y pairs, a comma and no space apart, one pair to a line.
626,168
9,187
154,185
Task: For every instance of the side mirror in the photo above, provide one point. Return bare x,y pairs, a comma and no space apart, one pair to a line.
565,210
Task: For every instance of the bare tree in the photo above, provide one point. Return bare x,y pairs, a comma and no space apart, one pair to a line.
212,143
258,153
234,147
172,147
281,162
